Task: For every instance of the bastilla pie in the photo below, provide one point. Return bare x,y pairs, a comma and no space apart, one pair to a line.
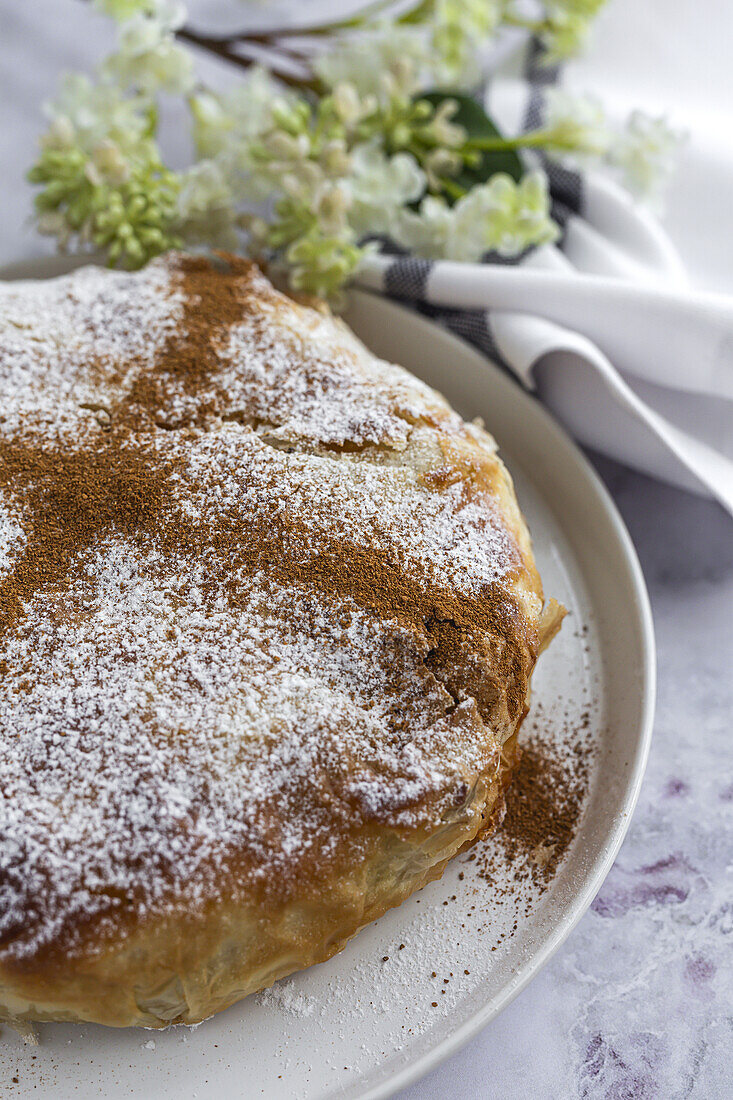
268,618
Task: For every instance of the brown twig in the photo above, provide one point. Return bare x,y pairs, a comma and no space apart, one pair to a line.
228,48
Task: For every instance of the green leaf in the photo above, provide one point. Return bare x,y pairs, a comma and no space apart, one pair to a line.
477,124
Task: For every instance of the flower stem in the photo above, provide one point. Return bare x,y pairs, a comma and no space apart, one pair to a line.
226,48
452,188
523,141
536,26
414,15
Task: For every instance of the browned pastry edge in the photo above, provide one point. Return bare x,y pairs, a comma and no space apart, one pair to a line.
179,970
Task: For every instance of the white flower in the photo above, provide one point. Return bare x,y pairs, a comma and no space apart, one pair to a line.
459,29
321,264
61,134
645,153
502,216
388,58
350,107
86,114
123,9
250,101
144,31
380,186
213,122
206,207
285,149
239,130
276,160
335,158
331,206
291,114
440,127
305,197
236,116
108,161
148,57
427,231
577,123
439,164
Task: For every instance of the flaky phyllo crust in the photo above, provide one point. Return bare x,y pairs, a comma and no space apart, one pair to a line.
269,614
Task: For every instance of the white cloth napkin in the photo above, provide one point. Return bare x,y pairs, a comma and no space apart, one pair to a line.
603,325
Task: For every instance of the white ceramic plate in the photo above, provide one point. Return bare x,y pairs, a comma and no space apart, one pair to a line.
363,1024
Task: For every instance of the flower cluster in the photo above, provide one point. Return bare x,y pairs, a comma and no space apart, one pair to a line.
457,27
500,216
148,58
645,153
353,167
330,173
384,60
437,42
375,141
565,28
440,42
103,180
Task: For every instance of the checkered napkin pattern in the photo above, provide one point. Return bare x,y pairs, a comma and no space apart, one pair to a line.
602,324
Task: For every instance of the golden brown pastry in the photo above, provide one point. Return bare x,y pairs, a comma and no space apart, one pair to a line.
268,612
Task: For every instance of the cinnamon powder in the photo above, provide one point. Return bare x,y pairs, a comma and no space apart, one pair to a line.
544,808
73,496
544,804
120,484
189,361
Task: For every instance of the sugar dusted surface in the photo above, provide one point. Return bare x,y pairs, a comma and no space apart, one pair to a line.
149,728
57,334
249,704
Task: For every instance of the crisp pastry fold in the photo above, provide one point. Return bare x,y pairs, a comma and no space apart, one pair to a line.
269,615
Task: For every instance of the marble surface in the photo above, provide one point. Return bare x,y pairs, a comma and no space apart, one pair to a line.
637,1004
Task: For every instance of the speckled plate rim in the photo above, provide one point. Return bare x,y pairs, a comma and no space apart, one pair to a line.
384,317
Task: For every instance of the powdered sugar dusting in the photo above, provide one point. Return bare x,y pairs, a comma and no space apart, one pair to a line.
288,998
57,334
161,741
355,498
135,732
337,393
12,536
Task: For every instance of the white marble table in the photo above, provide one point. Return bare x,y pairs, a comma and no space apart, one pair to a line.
638,1002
